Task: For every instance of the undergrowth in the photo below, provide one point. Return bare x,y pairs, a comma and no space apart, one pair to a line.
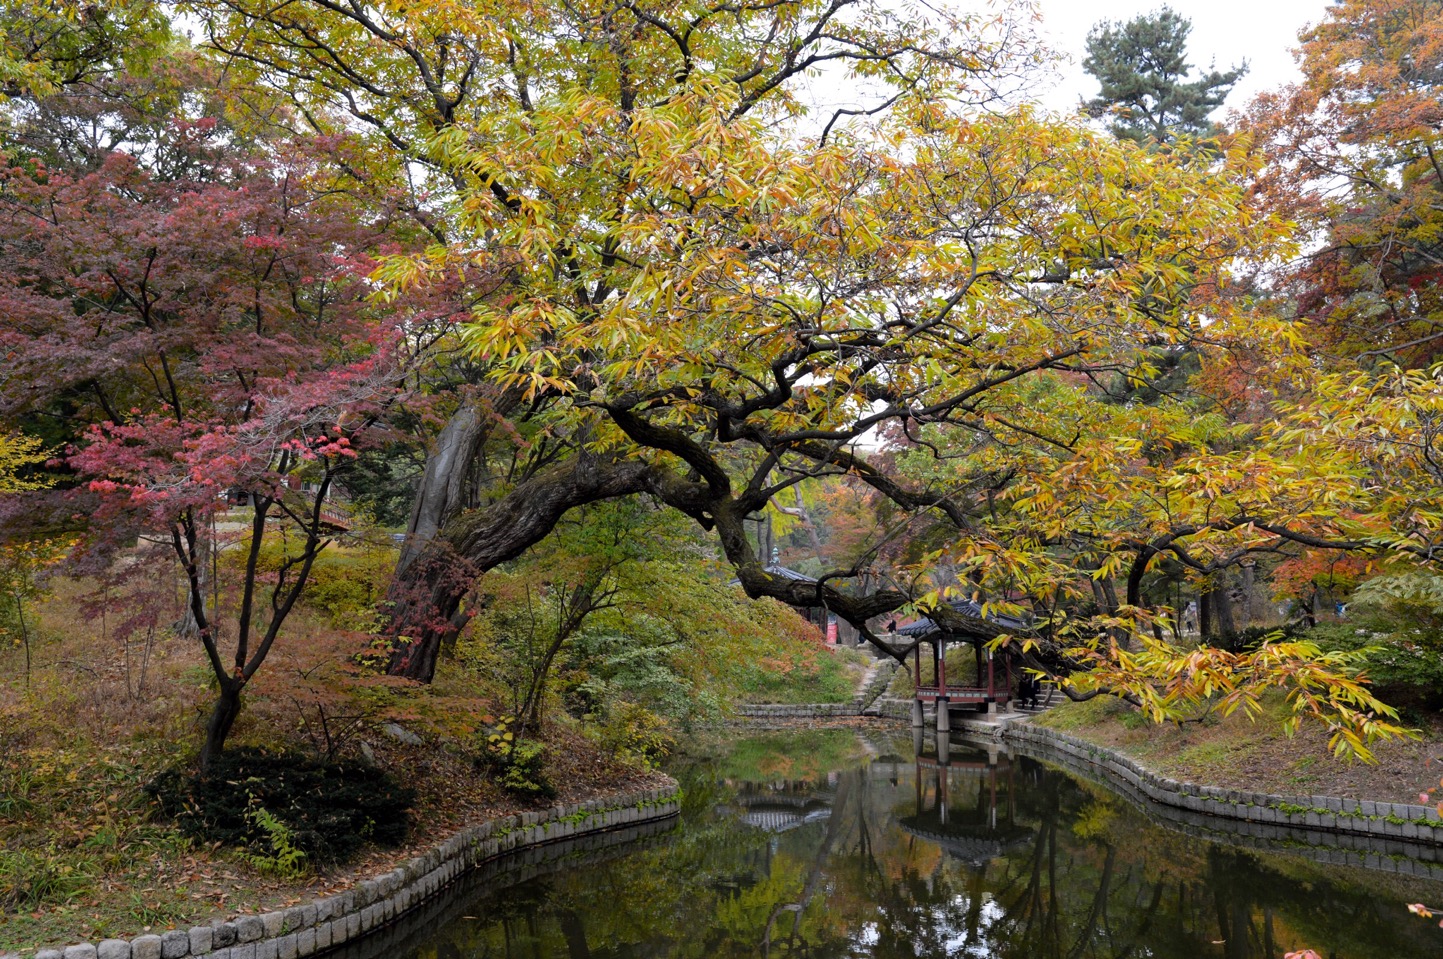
276,805
803,673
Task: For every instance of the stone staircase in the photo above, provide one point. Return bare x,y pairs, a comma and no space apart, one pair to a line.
878,677
1050,697
873,684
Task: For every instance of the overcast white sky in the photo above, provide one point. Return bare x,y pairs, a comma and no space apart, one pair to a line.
1224,33
1263,32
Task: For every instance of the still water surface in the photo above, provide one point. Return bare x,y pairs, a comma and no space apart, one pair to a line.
838,844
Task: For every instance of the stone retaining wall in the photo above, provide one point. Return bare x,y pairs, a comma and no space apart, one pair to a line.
1384,854
331,922
1414,823
1391,837
577,855
890,707
1403,821
797,710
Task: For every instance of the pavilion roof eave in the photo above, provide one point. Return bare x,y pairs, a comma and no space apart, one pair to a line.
966,622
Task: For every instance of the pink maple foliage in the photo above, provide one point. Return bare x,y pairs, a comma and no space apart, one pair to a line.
201,340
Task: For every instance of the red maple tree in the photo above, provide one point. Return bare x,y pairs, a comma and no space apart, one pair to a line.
204,340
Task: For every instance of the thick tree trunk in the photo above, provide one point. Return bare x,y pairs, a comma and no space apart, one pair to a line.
1109,592
425,598
1098,597
1249,587
443,491
801,512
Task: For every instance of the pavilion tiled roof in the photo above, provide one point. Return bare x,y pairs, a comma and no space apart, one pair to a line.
925,627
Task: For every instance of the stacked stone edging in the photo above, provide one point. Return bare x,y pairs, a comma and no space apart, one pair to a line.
328,923
1400,856
1361,817
1404,821
797,710
577,854
890,707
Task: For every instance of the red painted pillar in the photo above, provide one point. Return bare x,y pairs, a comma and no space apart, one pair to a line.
991,679
942,665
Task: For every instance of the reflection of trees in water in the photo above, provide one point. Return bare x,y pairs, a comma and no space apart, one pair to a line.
1071,872
795,940
1042,914
1099,881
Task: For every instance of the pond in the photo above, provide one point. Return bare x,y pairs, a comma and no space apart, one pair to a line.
847,843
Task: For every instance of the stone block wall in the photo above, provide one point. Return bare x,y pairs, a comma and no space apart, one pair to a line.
1379,852
797,710
1408,821
1403,821
325,924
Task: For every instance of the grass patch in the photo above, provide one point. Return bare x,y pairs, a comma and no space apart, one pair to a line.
804,673
75,830
1068,716
83,855
1236,753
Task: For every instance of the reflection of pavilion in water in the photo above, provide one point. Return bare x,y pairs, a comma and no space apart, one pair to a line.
966,800
772,809
778,807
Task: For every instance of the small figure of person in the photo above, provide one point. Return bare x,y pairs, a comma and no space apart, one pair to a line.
1027,692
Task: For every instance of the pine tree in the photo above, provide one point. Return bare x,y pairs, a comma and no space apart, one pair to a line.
1143,69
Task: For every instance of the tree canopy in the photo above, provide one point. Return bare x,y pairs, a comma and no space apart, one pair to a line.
560,254
1354,157
1144,73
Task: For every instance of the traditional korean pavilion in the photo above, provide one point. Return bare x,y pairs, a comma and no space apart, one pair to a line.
993,685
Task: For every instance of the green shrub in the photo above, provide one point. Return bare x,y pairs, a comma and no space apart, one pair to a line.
327,809
1393,664
524,774
518,765
1397,620
284,859
633,732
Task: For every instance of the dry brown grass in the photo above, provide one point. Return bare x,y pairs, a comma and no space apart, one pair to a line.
1235,753
80,852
